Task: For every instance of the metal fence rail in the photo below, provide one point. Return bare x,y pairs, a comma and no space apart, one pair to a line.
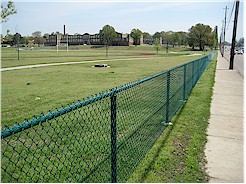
102,138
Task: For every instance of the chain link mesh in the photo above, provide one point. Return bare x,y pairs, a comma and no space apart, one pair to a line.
102,138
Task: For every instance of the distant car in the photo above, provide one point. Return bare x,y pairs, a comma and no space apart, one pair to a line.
19,49
240,51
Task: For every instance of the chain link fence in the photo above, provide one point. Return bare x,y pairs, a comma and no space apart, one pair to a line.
99,139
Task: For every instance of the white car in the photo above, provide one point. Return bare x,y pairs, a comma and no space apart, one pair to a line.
239,51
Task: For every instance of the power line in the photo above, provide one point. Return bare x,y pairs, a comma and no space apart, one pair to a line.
231,14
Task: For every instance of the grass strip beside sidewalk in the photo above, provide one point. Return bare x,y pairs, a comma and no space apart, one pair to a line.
178,155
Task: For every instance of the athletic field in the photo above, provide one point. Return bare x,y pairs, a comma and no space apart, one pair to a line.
30,91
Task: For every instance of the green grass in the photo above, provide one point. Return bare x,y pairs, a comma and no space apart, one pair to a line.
75,147
178,155
29,92
82,53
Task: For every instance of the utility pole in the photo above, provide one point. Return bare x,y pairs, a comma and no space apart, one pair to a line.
221,38
234,36
223,50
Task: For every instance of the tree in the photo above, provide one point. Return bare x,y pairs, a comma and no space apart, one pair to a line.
16,39
147,38
16,42
157,45
157,35
38,39
166,36
107,35
146,35
8,38
199,35
172,39
24,40
240,43
46,35
7,11
215,37
184,36
136,35
178,38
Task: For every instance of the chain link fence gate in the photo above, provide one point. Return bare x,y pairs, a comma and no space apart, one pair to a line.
99,139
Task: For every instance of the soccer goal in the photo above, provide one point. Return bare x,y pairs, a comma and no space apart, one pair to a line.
61,41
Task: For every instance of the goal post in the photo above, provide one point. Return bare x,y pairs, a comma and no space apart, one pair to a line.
61,40
58,41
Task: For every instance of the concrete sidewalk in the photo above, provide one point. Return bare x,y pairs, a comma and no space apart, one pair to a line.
224,149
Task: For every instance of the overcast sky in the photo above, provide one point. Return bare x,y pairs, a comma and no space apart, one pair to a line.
148,16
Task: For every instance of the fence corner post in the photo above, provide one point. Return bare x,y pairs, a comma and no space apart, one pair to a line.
113,138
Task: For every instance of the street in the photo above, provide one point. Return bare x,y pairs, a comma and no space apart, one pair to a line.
238,61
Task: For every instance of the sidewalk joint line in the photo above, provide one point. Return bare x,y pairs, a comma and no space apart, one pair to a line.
232,138
233,116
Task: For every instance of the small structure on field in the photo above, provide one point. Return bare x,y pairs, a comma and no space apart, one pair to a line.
101,66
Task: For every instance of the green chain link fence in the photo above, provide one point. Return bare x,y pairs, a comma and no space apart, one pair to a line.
99,139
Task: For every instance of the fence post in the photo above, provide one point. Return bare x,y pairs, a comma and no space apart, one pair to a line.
184,92
113,138
193,73
167,97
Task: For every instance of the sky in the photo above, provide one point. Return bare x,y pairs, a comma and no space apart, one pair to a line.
148,16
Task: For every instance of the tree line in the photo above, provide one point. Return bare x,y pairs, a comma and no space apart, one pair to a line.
199,35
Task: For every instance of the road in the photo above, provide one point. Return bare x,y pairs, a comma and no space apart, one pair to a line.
238,62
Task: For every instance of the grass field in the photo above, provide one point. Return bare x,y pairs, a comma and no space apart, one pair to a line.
76,146
29,92
82,53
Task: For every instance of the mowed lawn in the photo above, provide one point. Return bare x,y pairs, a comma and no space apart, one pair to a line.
44,55
29,92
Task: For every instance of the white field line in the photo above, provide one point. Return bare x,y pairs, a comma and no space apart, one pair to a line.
70,63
